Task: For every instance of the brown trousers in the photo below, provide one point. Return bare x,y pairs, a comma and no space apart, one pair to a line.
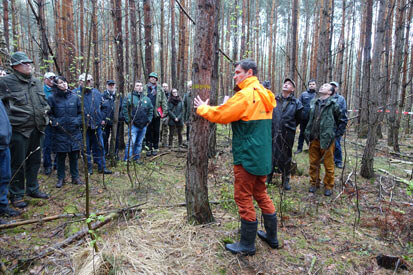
316,154
246,187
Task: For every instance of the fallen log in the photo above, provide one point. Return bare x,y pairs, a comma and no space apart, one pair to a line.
62,216
394,176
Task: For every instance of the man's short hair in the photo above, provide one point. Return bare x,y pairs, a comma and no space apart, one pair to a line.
311,80
247,64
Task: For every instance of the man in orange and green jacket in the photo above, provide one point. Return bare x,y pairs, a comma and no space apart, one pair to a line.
250,113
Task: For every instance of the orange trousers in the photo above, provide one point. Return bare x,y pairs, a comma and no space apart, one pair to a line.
316,154
246,187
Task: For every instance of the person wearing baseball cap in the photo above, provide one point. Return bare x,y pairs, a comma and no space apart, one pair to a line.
159,103
285,119
341,101
28,117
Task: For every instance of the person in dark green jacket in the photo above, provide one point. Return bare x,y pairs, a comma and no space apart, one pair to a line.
326,121
27,108
159,102
137,110
176,121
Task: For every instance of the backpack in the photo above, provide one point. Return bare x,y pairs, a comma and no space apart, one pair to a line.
139,115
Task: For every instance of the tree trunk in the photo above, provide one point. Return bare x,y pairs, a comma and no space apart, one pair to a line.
69,68
81,34
235,31
147,18
212,139
243,29
6,23
393,137
161,41
96,60
294,40
196,190
304,57
376,84
119,61
341,48
126,35
135,58
16,33
270,44
365,83
173,45
323,55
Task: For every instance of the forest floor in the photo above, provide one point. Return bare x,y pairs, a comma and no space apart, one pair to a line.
341,234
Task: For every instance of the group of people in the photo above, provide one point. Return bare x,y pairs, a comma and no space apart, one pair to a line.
47,120
264,128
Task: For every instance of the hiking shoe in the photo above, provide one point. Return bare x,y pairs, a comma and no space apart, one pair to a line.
6,211
105,171
154,152
312,189
90,171
47,171
339,165
59,183
19,203
77,181
298,151
328,192
38,195
148,153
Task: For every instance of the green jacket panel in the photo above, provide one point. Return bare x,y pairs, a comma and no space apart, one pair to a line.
250,145
26,103
160,101
330,117
135,99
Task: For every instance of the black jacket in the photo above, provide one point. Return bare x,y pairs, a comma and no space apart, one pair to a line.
108,108
66,117
286,117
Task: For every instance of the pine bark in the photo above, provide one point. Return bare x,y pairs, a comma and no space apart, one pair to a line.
196,190
365,83
147,18
294,40
377,87
135,58
161,41
393,136
6,23
173,45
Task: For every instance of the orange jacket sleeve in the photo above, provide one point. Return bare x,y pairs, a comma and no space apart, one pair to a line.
230,111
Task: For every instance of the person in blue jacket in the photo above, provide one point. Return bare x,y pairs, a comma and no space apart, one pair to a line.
94,121
5,160
66,120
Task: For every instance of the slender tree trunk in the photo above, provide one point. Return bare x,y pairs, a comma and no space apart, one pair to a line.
81,34
196,190
141,59
393,137
69,40
6,22
270,44
294,40
96,59
173,45
147,15
235,31
212,139
315,44
15,26
119,61
135,58
161,41
376,84
341,48
365,84
127,35
304,57
243,29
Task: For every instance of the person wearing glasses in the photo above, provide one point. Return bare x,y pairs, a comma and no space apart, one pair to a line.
27,108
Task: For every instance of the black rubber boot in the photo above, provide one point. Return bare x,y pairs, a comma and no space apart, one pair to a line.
270,236
286,182
246,245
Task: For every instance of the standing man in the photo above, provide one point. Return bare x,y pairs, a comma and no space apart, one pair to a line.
159,103
94,121
305,100
187,109
27,107
285,119
341,101
326,122
47,142
250,112
109,96
138,112
5,171
164,120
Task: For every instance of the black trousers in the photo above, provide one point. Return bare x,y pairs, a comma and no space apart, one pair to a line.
21,148
152,134
301,137
178,129
282,153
